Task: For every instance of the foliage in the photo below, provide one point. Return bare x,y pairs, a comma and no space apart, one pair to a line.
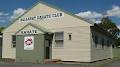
111,27
108,25
1,29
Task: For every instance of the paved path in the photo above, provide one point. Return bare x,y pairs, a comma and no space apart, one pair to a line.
114,64
44,65
111,64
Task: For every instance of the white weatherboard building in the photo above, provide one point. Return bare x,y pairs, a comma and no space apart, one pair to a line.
47,32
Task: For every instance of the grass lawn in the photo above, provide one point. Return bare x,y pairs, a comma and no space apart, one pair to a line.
116,53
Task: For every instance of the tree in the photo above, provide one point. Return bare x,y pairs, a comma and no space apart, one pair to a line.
1,29
108,25
111,27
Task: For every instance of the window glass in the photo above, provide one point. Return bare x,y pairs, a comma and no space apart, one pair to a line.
59,39
59,43
96,41
59,36
13,40
108,43
102,42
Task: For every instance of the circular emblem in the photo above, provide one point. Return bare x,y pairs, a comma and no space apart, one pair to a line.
28,41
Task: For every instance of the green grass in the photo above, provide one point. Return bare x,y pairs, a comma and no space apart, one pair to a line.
116,53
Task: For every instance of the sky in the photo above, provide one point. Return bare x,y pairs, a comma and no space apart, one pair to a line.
92,10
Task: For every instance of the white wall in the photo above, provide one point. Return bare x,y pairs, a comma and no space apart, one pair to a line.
58,23
8,51
77,49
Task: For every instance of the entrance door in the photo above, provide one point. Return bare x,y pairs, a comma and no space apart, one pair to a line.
47,49
48,46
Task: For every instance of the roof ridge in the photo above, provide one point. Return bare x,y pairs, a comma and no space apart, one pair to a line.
49,5
70,13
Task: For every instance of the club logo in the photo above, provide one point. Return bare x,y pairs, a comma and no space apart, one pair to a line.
28,41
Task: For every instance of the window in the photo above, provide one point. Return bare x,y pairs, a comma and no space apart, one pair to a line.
58,43
108,43
102,42
96,41
13,40
59,38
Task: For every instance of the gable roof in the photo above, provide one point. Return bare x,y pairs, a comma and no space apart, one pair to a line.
100,29
69,13
39,28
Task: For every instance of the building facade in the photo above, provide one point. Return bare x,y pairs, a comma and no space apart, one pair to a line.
46,32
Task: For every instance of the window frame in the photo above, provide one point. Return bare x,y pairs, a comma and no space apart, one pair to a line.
108,43
96,41
102,42
59,40
13,41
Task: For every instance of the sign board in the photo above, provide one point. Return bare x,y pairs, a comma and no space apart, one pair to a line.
28,42
41,17
29,32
